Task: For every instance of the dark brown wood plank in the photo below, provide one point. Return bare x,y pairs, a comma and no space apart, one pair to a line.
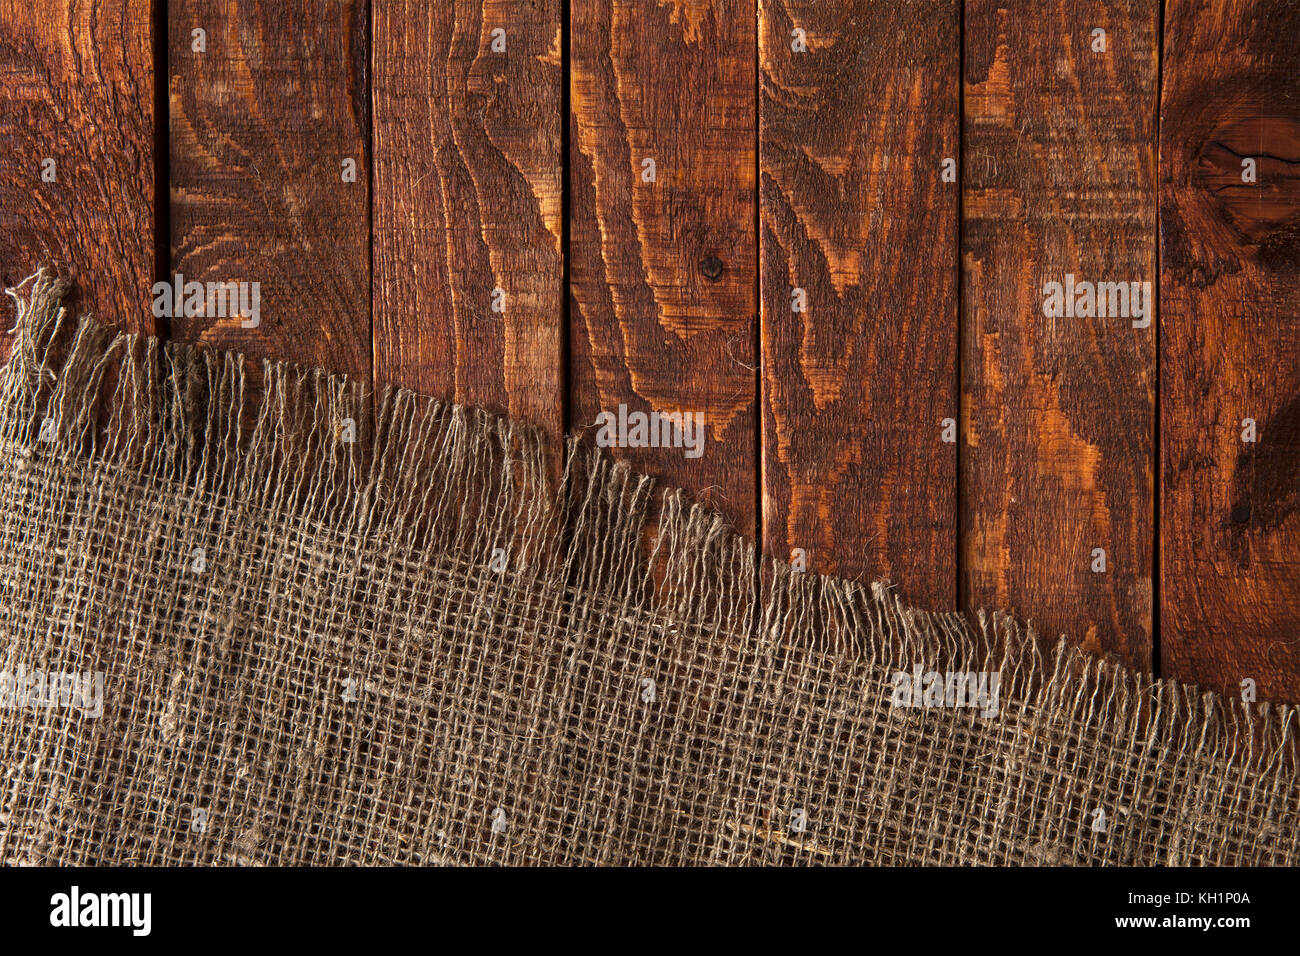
1230,346
77,134
262,122
662,291
859,111
467,201
1059,181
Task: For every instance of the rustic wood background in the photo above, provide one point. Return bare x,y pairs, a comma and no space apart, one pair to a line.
919,168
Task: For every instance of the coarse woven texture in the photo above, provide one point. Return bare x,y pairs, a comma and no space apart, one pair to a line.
336,636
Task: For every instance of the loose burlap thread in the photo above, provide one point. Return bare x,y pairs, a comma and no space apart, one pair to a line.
356,635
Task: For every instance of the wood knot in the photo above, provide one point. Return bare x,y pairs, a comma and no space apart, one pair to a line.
711,268
1251,167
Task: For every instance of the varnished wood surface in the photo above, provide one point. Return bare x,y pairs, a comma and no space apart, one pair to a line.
468,222
663,310
1230,346
261,124
1059,412
860,109
77,81
774,170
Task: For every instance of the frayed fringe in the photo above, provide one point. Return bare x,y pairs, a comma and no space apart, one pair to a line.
433,478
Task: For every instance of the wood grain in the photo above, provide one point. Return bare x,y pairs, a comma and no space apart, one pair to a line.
1230,346
261,124
1058,423
1058,176
855,213
663,297
467,200
77,87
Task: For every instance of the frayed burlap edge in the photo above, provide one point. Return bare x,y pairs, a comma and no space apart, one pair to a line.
314,454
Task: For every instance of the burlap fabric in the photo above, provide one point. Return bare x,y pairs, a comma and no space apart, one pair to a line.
337,634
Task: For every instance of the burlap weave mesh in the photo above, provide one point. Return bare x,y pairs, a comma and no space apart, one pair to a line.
409,648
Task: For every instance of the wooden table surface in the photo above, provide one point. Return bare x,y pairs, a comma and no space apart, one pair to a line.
826,226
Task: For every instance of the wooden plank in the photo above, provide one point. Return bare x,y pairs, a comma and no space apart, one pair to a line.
77,133
662,292
1230,346
1058,423
467,200
859,110
263,120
